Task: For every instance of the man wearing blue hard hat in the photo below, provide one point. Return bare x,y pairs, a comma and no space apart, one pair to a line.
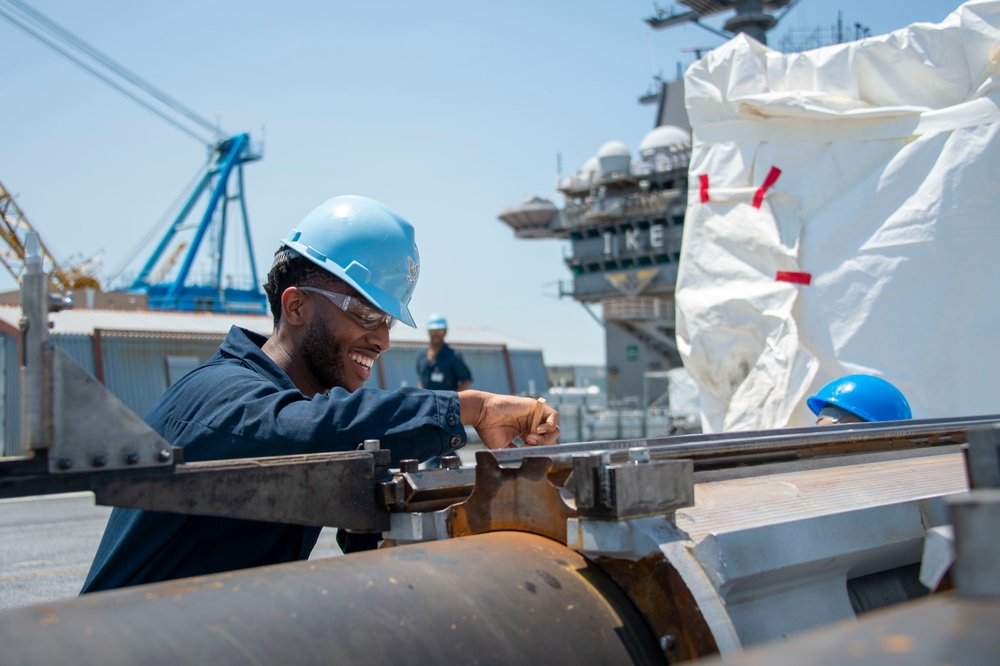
339,282
441,368
858,399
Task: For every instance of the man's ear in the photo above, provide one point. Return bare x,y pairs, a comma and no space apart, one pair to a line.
293,303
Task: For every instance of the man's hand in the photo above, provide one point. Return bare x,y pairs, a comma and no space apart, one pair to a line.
499,419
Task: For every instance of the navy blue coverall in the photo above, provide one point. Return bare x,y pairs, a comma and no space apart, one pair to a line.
240,404
445,372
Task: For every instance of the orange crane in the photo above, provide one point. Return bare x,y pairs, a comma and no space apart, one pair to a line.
168,263
14,229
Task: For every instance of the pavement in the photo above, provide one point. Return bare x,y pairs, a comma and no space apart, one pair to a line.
46,546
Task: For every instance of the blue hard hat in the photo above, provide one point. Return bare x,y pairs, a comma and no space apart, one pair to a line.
867,397
436,322
367,245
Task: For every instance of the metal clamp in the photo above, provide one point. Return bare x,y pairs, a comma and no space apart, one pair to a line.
632,488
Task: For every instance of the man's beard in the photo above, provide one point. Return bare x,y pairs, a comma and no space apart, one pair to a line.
321,355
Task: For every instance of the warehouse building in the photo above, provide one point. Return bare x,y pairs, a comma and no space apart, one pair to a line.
137,354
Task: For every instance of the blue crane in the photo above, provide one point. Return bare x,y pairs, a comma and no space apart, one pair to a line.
181,293
216,198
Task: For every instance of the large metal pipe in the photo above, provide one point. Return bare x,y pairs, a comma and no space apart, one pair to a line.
499,598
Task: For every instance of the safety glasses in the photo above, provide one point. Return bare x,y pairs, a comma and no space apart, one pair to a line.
366,315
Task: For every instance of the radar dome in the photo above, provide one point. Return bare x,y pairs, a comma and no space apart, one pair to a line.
590,166
664,137
614,158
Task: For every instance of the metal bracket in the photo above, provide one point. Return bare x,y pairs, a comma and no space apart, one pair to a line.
413,489
428,505
322,489
67,412
976,519
638,487
418,526
938,556
512,498
982,458
82,411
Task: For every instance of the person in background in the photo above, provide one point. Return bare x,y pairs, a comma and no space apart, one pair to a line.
441,368
859,399
591,423
338,283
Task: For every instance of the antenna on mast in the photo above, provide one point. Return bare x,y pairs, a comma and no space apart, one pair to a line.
753,17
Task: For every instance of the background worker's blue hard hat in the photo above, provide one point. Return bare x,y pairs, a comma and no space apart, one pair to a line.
867,397
367,245
436,322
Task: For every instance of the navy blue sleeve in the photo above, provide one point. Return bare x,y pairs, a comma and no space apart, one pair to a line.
225,411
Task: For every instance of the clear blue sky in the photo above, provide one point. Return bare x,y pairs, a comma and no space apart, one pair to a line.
446,111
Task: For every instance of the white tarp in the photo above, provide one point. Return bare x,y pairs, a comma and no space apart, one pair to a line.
887,203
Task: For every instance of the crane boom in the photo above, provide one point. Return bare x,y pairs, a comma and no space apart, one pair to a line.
220,186
14,231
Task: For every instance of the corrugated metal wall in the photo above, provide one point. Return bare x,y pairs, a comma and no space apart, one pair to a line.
135,364
396,367
10,383
488,364
78,346
529,371
490,371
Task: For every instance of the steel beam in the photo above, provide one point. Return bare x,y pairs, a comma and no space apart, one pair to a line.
326,489
783,444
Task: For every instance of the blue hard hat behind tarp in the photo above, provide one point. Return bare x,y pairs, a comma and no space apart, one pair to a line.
866,396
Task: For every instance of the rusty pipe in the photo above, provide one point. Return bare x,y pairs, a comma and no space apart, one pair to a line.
499,598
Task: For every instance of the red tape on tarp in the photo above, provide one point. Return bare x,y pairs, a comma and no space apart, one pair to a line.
793,277
772,175
703,179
